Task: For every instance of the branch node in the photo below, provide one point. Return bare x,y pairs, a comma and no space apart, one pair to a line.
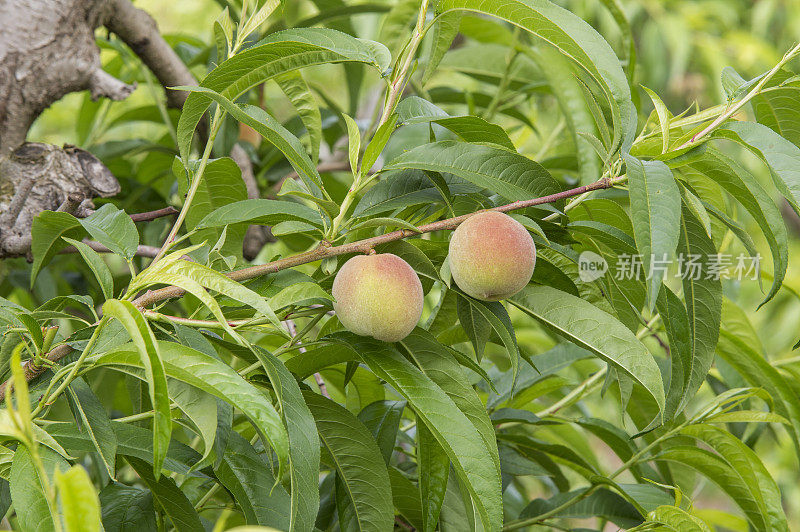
102,84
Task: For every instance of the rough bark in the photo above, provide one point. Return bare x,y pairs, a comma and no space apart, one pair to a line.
37,177
47,50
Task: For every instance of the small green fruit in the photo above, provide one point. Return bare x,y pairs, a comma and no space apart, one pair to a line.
491,256
378,296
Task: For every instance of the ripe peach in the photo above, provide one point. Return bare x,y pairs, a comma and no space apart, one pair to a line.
378,296
491,256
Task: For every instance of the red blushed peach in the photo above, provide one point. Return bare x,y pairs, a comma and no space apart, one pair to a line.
378,296
491,256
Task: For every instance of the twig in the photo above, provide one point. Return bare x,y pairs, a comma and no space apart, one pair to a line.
364,246
141,251
139,31
31,370
71,204
152,215
10,217
575,394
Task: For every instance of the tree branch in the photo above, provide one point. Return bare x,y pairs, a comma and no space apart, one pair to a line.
364,246
152,215
139,31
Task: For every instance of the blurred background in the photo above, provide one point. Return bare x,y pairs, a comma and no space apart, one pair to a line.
682,47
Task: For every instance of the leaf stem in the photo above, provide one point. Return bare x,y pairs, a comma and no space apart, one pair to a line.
522,523
399,82
583,388
196,179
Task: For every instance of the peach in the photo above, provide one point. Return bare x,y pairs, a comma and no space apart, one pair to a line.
491,256
378,296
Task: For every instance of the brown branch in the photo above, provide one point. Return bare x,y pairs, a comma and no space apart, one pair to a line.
32,370
139,31
324,250
152,215
364,246
141,251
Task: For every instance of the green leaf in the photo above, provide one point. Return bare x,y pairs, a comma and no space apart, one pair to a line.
475,464
596,330
377,144
655,213
169,497
247,475
404,189
433,467
782,156
281,52
260,212
602,503
574,38
758,372
47,231
678,519
28,488
663,118
406,498
511,175
496,314
747,463
114,229
747,416
567,90
682,347
97,265
208,278
212,376
382,419
474,324
223,33
91,417
386,222
79,500
703,304
415,110
353,142
444,32
298,294
148,354
778,108
127,509
33,328
269,128
220,184
719,471
304,452
358,462
131,441
200,408
295,88
745,188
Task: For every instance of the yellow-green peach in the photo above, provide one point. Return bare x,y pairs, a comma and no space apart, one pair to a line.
378,296
491,256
